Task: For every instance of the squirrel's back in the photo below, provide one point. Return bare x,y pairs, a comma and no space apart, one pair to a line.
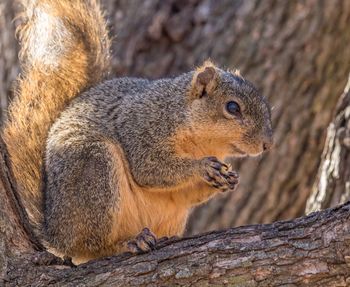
65,49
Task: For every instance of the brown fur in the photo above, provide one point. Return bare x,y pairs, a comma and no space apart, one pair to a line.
47,84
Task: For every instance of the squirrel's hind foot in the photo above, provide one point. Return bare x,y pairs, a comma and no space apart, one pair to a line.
45,258
145,241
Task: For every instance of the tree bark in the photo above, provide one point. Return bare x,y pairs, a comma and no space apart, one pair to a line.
309,251
333,180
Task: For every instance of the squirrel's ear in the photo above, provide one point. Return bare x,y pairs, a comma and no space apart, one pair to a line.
204,81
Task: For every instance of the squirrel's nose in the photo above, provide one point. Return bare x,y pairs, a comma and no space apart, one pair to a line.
267,144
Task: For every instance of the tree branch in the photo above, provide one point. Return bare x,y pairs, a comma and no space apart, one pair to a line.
308,251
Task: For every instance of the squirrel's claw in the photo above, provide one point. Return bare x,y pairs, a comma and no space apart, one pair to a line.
220,175
45,258
145,241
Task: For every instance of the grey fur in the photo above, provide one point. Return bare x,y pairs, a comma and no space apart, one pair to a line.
141,116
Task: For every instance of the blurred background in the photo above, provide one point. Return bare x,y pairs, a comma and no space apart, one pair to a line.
296,52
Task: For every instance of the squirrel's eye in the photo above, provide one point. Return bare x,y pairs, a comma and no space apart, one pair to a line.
233,108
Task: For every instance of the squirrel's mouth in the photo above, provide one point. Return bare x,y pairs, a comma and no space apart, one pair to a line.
238,151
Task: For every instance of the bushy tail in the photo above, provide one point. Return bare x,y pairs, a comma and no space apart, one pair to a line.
64,50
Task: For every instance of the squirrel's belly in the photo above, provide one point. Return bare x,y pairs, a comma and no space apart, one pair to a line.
163,214
136,208
158,212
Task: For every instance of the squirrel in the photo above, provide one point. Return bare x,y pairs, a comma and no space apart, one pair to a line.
109,165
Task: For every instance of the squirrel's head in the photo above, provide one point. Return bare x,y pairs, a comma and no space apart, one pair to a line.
228,116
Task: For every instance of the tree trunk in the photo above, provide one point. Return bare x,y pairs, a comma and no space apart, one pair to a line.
295,51
333,180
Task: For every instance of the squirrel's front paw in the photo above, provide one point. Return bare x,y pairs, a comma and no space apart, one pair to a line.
144,242
219,175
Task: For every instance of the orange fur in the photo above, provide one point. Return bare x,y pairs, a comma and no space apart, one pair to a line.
196,142
56,66
139,207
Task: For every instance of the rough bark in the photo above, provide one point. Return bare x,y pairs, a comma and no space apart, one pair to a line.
295,51
309,251
333,180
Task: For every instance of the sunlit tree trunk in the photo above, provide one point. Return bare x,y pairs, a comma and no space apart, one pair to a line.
332,186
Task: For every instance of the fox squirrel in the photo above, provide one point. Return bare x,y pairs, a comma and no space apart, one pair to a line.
98,160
